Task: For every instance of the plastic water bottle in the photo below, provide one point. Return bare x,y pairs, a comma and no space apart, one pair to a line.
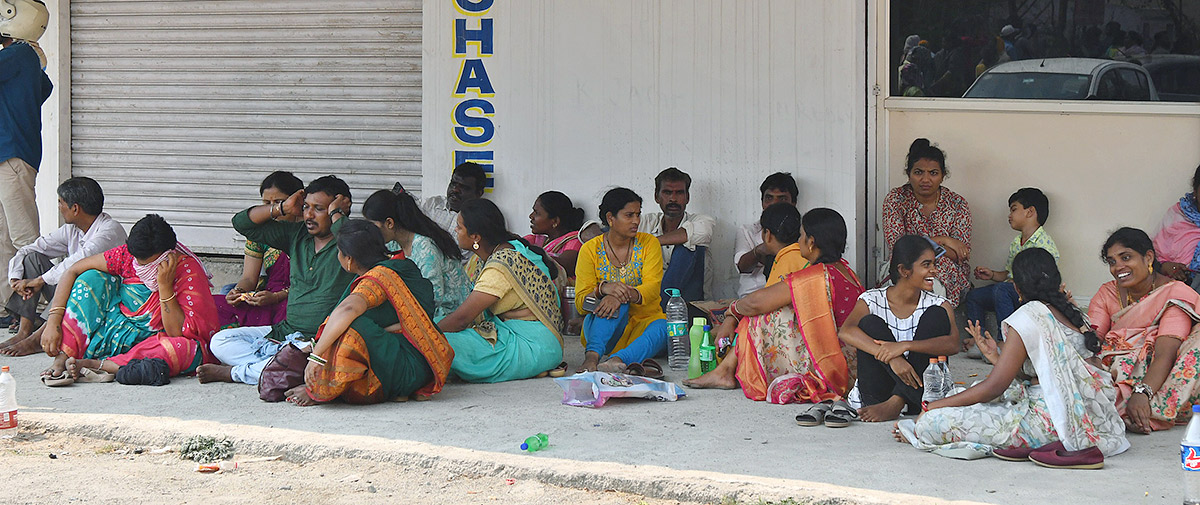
947,379
8,404
1189,455
932,380
677,331
708,352
536,442
695,336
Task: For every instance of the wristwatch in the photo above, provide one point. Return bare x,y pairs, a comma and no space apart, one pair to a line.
1142,388
337,210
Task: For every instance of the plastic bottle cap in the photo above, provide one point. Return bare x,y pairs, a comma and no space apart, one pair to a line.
524,446
672,292
707,327
941,358
1195,408
4,369
932,360
698,321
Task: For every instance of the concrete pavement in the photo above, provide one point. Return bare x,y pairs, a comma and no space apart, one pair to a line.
736,447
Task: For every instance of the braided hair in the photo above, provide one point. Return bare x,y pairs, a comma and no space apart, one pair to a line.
1036,276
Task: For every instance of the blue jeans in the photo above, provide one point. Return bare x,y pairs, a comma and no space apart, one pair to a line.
685,272
247,350
603,334
1000,297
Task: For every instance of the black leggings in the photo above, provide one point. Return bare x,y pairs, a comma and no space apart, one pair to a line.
876,381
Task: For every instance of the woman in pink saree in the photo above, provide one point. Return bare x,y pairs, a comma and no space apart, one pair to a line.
144,300
1146,320
1177,241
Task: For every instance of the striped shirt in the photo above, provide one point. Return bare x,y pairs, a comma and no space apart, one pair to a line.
902,328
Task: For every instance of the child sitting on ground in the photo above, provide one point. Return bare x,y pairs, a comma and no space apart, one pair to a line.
1028,209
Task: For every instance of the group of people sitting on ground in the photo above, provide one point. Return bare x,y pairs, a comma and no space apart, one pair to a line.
395,303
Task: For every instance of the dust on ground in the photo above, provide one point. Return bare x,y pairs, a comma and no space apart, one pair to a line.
40,467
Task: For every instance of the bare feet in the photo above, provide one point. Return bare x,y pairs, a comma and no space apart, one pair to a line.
590,360
20,336
716,379
899,435
887,411
71,368
97,364
299,396
612,365
32,344
58,368
214,373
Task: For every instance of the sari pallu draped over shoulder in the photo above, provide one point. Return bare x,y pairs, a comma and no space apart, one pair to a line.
530,279
793,354
368,364
1128,347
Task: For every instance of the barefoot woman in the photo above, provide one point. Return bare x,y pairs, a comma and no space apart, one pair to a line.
897,329
380,342
146,299
790,327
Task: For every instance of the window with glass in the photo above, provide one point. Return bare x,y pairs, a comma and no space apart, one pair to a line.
1124,50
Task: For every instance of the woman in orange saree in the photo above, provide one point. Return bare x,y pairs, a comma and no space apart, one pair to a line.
380,342
787,348
1147,322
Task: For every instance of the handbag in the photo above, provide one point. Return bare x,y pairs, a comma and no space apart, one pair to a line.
285,371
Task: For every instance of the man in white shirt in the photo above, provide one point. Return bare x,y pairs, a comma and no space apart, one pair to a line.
749,256
466,183
685,237
88,231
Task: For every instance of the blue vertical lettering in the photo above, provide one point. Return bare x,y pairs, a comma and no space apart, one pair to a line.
475,6
466,123
474,76
483,36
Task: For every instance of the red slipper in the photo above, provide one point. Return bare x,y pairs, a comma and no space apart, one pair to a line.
1022,453
1086,459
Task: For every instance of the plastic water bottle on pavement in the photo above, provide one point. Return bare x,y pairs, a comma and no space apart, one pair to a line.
8,404
947,378
695,336
1189,455
677,331
933,382
536,442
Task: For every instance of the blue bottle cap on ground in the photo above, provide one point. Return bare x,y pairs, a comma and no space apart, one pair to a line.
1195,408
707,327
524,446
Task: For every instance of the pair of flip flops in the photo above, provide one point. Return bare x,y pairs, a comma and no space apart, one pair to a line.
86,375
834,414
649,369
1055,455
555,372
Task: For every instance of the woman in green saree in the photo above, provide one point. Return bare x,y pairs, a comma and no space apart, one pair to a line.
380,342
508,328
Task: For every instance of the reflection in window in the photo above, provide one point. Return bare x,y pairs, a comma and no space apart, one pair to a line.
943,48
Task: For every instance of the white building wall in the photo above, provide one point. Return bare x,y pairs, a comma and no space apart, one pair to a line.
590,95
56,114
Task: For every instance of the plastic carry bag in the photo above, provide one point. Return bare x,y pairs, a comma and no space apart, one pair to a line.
592,389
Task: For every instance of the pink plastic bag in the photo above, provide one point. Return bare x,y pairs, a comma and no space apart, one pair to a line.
592,389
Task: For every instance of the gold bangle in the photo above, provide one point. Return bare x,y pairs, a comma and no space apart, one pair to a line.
57,310
173,295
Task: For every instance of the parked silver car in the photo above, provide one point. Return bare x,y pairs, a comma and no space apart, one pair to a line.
1176,76
1065,79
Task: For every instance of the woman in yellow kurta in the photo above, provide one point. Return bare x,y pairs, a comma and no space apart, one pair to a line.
781,233
622,270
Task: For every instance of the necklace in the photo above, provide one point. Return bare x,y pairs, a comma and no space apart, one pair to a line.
1129,296
621,265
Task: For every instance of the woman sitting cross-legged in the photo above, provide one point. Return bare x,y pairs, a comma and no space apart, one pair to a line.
621,270
1059,394
421,240
1150,337
787,346
508,328
897,329
380,342
146,299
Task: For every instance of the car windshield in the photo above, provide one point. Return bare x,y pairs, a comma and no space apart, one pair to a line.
1030,85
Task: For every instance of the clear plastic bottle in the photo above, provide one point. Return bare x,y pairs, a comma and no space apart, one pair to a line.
932,380
8,404
947,378
1189,456
677,331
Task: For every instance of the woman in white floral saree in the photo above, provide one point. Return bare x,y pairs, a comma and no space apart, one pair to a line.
1059,394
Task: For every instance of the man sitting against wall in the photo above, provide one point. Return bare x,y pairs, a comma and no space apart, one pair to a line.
31,275
750,256
466,183
317,277
685,237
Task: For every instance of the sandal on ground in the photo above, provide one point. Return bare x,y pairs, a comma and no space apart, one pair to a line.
840,415
1086,459
94,375
652,370
814,414
559,370
62,379
1022,453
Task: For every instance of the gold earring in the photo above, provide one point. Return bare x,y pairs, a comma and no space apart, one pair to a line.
1151,268
475,246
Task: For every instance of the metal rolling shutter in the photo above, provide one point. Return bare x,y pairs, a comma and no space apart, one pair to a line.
181,107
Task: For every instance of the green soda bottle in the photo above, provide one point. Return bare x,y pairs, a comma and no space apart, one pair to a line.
695,336
708,351
536,442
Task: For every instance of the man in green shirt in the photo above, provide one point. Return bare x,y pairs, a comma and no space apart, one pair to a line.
303,227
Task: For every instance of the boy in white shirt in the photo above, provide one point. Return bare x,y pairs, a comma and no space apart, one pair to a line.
750,258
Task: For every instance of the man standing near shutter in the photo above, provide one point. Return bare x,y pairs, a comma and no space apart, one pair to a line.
24,87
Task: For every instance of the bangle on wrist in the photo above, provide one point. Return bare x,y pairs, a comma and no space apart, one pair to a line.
317,359
1141,387
173,295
